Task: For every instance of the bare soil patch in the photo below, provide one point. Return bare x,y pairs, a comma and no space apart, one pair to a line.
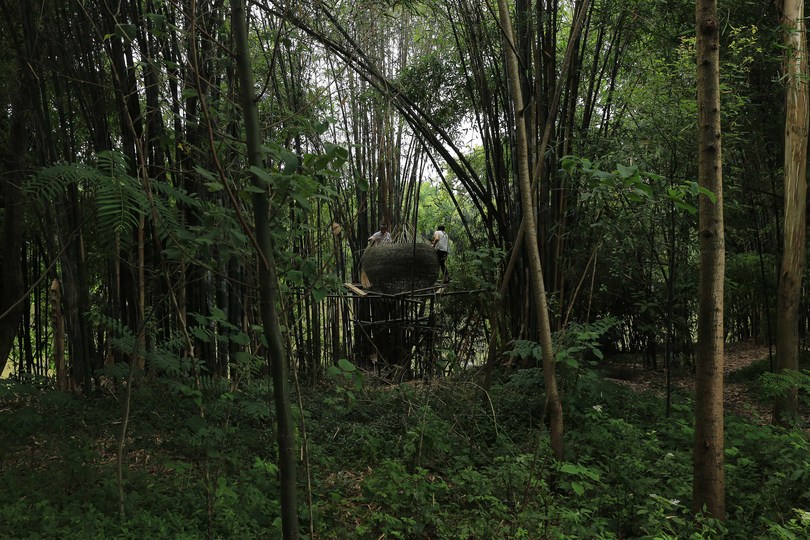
736,394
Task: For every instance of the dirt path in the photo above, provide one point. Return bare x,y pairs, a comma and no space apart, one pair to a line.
737,401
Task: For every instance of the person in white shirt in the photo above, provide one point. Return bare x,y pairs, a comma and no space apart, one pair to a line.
380,237
441,243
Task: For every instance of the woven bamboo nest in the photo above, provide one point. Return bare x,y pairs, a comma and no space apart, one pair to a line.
396,268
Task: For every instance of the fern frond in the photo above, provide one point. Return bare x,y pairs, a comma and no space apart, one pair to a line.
119,199
49,184
122,338
112,164
171,223
120,203
176,194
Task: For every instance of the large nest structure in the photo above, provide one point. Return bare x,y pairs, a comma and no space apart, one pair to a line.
396,268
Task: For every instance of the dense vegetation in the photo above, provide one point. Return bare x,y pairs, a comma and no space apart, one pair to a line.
186,192
411,461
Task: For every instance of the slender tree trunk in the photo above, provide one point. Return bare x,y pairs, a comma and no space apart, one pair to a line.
62,382
708,489
268,283
790,279
11,239
554,407
75,291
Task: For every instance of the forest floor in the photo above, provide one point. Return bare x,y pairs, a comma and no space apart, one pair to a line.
415,460
738,396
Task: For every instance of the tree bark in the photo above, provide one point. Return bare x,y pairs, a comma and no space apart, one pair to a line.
790,278
553,405
708,488
11,276
268,283
62,381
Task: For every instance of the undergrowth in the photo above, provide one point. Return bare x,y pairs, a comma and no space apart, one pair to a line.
418,460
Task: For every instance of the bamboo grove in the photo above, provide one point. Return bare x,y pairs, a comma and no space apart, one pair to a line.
128,181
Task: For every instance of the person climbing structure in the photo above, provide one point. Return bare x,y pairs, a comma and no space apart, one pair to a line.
380,237
441,243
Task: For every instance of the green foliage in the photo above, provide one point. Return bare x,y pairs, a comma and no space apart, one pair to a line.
432,81
525,349
764,385
404,502
571,345
778,384
634,185
434,460
60,477
119,199
412,461
765,463
482,271
348,382
795,528
582,339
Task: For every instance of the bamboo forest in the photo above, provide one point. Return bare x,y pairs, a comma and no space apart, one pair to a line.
404,269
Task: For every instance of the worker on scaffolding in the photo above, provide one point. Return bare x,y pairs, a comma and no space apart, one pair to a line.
441,243
380,237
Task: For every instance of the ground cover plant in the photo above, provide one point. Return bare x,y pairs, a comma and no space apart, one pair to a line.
436,459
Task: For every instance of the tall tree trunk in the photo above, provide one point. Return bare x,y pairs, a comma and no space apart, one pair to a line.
75,290
268,283
790,278
708,488
62,381
554,407
11,276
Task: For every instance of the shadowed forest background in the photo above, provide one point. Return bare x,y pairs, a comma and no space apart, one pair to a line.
189,343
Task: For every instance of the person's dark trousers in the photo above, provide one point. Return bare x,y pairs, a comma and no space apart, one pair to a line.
443,264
